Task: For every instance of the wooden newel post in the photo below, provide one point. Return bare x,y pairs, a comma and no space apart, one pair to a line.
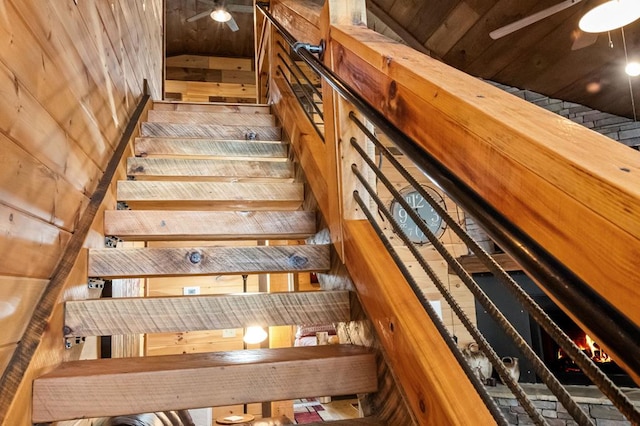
340,129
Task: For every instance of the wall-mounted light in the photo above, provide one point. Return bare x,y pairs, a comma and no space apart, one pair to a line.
220,15
254,335
609,16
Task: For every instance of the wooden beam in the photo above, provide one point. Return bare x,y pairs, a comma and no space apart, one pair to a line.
550,161
436,388
200,148
473,265
106,317
173,195
211,131
225,118
210,62
207,107
209,169
300,17
145,225
215,260
161,383
212,76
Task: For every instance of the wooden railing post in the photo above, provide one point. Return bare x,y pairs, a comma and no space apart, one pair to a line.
339,129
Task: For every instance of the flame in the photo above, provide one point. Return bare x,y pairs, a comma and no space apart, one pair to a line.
597,354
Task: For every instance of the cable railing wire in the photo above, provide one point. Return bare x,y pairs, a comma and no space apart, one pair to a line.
540,368
587,366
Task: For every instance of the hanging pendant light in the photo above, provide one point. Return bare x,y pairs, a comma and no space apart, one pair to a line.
254,335
609,16
220,15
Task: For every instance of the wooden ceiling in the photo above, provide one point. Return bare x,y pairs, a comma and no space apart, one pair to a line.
538,57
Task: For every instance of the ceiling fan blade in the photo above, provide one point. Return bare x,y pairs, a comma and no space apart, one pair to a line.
233,26
531,19
200,15
239,8
583,39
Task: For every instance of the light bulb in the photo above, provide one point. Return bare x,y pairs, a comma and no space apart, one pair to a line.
220,15
610,16
632,69
254,335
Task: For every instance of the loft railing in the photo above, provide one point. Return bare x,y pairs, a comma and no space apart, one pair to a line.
355,54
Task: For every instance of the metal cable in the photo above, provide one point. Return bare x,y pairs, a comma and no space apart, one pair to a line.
547,377
320,133
433,315
313,87
308,96
588,367
515,388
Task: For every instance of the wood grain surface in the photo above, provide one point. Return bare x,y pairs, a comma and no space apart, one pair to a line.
106,317
192,147
220,118
213,131
200,380
211,195
145,225
212,108
208,169
216,260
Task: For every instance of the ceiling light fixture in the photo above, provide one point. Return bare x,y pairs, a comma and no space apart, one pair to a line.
610,16
632,69
220,15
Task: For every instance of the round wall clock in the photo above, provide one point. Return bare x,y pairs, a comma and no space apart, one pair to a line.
417,202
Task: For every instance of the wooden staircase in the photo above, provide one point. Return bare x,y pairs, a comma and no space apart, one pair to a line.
205,173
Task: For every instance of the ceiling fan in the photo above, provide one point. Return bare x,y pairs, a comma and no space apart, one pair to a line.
221,13
607,16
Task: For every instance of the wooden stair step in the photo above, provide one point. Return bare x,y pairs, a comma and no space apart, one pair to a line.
211,195
206,107
220,118
190,147
119,386
147,225
210,131
208,169
214,260
125,316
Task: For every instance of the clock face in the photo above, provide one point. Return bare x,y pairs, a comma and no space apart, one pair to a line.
425,211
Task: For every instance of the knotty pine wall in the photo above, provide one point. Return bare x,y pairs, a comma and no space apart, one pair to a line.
70,76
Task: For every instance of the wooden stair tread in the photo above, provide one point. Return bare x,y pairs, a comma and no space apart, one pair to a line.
203,147
211,195
213,131
146,225
118,386
124,316
210,169
220,260
220,118
206,107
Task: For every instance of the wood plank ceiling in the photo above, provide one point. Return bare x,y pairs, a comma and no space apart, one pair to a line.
538,57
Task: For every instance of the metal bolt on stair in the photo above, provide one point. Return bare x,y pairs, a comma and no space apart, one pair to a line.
195,257
251,136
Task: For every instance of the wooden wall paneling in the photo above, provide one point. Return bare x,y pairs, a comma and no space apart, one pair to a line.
47,141
29,186
5,355
379,10
210,62
31,247
41,347
18,298
57,43
41,77
460,19
592,187
201,91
